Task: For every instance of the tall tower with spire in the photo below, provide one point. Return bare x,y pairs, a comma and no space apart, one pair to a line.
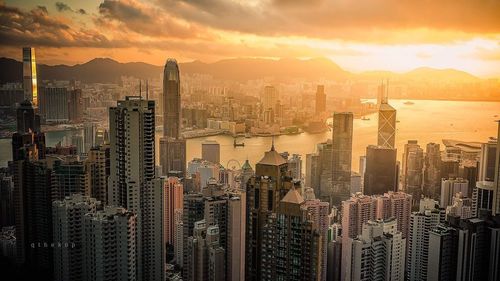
386,121
172,145
171,100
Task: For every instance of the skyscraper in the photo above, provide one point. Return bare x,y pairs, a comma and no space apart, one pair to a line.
319,212
29,76
432,171
131,154
7,216
417,258
173,157
216,206
473,249
110,245
173,202
356,211
442,263
54,104
341,156
33,184
132,183
320,99
291,244
171,100
98,169
487,161
396,205
235,236
379,252
205,258
269,98
450,187
496,200
264,192
70,177
68,216
75,105
27,120
386,125
482,198
381,172
172,145
413,164
295,166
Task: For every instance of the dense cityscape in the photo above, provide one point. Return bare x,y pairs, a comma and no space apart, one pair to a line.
148,140
101,207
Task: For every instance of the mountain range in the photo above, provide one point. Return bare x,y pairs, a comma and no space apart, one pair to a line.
106,70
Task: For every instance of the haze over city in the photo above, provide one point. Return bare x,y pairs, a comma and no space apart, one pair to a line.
225,140
370,35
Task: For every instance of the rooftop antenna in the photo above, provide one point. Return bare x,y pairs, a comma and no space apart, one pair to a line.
140,88
387,92
272,145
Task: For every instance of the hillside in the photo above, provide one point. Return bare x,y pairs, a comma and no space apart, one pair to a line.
105,70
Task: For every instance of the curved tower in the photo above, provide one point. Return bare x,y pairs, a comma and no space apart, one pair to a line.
171,100
172,145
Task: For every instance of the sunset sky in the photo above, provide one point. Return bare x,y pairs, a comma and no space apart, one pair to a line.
396,35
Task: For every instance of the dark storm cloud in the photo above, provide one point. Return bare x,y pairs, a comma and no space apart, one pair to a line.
146,19
37,28
62,7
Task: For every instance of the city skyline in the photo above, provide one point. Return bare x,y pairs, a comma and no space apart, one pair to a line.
371,38
269,162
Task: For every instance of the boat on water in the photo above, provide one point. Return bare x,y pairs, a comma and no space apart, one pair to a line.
409,103
236,144
364,118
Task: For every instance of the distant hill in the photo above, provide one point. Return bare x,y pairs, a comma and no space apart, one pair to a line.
422,74
105,70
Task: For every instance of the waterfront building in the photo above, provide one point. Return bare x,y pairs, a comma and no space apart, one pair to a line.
210,151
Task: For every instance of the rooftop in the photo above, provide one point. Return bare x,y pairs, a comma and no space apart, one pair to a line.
293,196
272,157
